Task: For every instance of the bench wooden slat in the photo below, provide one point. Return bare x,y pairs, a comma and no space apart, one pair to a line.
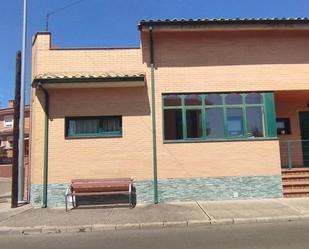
95,184
102,180
100,189
98,193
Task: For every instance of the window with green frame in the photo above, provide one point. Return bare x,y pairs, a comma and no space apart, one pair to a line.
102,126
218,116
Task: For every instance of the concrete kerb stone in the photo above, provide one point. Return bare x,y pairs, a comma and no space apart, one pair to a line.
129,226
32,230
51,230
279,219
102,227
77,229
135,226
151,225
224,221
198,223
244,220
10,231
167,224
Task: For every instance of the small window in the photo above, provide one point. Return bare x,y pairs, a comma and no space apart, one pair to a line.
193,99
194,123
105,126
233,99
213,99
235,121
8,121
254,98
255,125
215,123
172,100
283,126
173,124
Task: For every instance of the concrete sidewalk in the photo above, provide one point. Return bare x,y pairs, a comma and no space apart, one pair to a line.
179,214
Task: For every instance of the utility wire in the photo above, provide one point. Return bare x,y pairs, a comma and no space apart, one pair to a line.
60,9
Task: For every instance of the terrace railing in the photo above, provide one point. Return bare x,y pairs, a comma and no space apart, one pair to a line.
6,160
294,153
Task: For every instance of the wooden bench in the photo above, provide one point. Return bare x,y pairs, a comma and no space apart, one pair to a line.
96,187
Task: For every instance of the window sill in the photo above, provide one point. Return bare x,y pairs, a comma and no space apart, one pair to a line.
219,140
96,136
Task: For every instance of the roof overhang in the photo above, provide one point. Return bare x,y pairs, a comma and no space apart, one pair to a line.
69,81
225,24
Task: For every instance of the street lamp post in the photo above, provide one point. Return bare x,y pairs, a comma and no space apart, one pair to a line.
22,109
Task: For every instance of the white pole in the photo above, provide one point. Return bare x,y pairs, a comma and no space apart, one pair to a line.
22,110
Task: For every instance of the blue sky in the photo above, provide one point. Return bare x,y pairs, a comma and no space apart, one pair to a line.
112,23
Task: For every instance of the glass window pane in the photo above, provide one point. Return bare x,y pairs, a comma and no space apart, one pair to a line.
283,126
172,100
213,99
173,124
233,99
255,122
235,122
110,125
84,126
254,98
193,99
214,123
95,126
194,123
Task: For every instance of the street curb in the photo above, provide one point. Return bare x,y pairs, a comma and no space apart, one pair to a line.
36,230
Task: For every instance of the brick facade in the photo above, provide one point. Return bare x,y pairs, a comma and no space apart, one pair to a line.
199,61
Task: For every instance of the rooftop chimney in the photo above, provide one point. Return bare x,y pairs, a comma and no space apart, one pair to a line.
11,103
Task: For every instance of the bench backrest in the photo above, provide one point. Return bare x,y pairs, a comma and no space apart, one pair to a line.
102,179
101,185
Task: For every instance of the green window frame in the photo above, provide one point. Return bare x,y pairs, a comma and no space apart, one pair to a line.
235,112
93,127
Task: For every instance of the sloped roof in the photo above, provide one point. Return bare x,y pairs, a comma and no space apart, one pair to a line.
224,21
99,75
85,80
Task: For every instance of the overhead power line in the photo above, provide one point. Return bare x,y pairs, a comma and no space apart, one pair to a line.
59,10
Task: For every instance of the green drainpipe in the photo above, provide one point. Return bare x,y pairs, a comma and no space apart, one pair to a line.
153,116
45,173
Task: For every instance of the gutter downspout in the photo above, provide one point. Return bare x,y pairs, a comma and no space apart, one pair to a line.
45,173
153,116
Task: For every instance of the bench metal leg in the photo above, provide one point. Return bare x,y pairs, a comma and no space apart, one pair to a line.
130,196
66,203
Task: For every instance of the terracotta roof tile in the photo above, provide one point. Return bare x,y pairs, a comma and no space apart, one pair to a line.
96,75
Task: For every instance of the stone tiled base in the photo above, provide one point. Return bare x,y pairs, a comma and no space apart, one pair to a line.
219,188
55,195
190,189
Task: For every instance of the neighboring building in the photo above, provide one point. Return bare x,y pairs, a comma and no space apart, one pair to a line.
6,137
217,86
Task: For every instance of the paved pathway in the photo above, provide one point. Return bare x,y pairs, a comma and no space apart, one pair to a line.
178,214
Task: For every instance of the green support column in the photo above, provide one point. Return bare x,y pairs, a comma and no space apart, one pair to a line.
153,117
270,115
46,128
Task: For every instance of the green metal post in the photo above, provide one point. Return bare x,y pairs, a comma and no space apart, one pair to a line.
153,116
45,173
289,154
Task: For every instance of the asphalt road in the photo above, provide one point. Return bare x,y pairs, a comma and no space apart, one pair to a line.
288,235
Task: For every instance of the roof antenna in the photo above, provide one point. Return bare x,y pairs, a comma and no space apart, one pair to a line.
46,21
58,10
